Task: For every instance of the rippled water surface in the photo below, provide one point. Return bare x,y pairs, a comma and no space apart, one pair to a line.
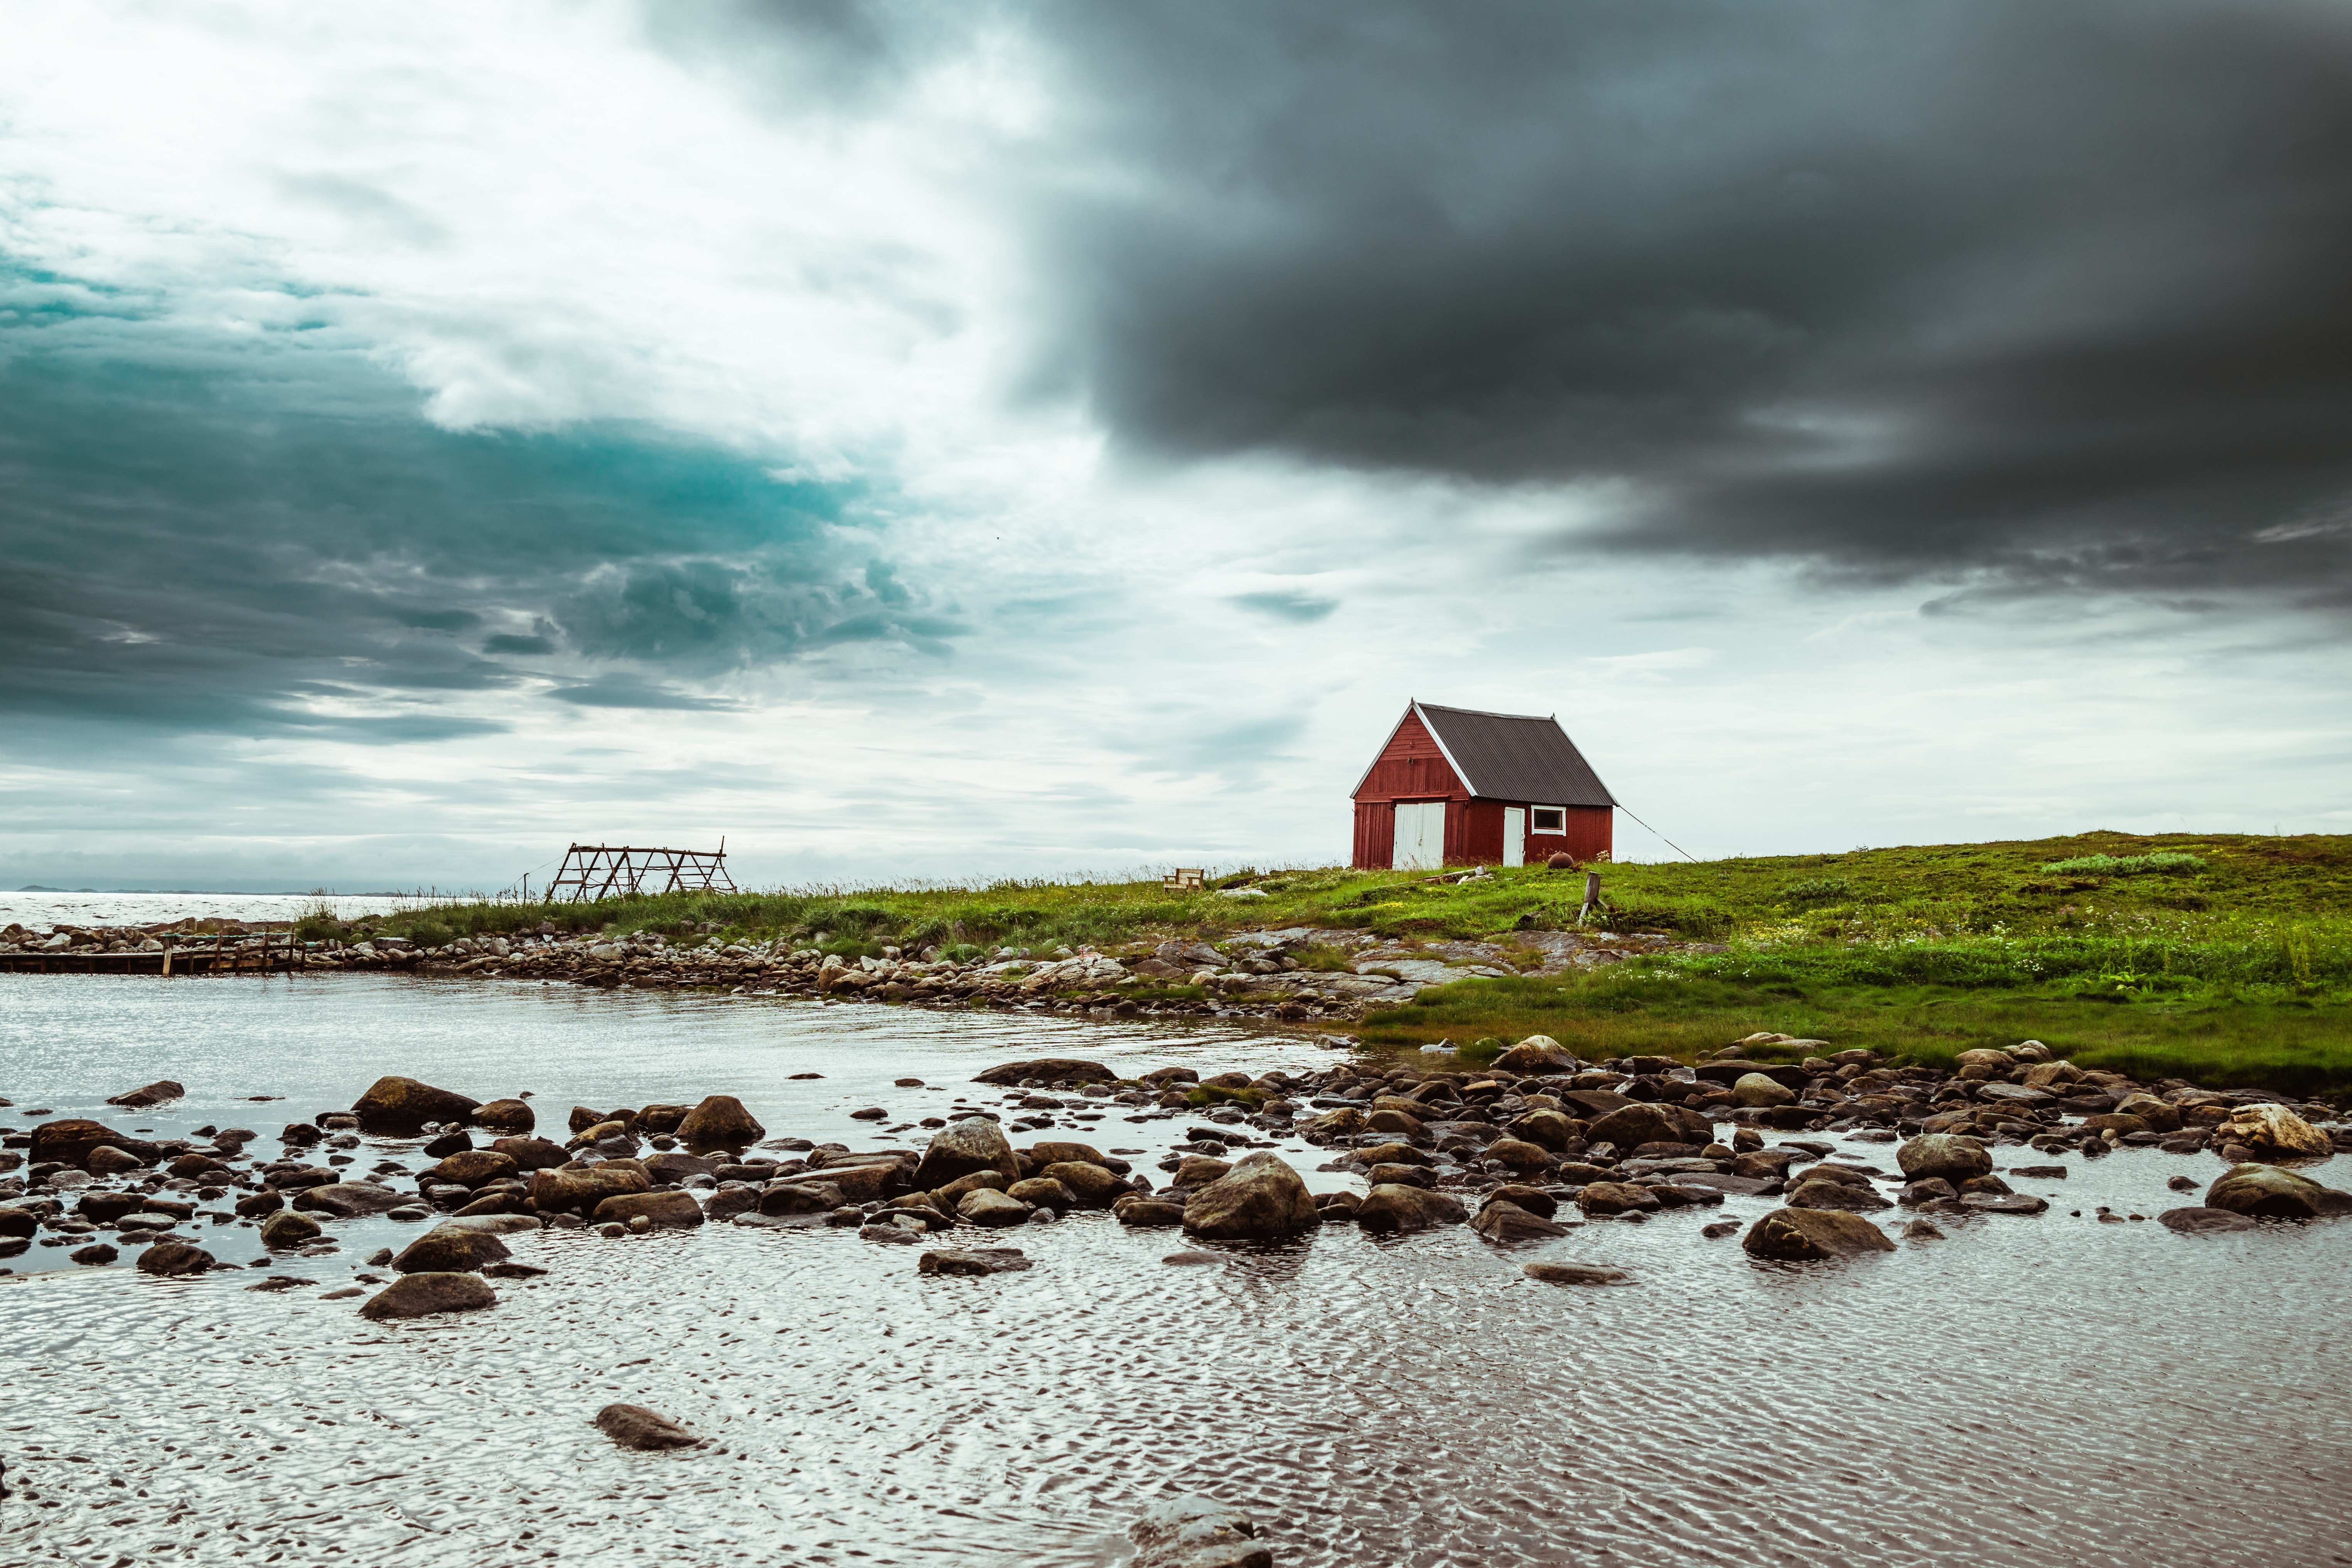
2028,1391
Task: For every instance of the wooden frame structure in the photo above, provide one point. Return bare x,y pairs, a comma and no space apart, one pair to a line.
593,871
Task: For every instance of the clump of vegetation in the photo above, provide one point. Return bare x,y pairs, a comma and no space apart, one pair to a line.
2164,863
2097,944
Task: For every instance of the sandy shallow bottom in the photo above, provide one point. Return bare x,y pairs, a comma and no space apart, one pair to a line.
2034,1390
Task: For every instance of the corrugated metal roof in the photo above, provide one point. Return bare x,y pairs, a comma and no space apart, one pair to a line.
1515,756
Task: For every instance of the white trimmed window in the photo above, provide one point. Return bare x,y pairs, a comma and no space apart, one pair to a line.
1548,819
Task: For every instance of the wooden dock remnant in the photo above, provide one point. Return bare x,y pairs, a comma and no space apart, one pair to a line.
593,871
225,953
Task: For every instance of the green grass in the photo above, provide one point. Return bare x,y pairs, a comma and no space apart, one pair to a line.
2225,958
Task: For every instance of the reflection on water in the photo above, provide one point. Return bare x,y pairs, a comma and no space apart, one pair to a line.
2028,1390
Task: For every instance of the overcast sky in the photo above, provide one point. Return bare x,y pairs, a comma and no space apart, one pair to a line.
967,439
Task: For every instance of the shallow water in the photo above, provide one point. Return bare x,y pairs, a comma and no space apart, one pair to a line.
2030,1390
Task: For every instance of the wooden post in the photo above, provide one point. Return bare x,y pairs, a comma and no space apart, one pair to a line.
167,960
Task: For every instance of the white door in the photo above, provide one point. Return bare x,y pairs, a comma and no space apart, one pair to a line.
1420,835
1515,836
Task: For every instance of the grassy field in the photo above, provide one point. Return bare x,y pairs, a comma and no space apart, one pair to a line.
2223,958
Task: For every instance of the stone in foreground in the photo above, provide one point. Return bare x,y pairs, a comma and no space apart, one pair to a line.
966,1148
449,1250
422,1295
402,1106
635,1427
2266,1192
662,1211
1260,1197
157,1093
1950,1155
168,1257
1571,1273
1395,1206
350,1200
2203,1222
1506,1222
1186,1532
1801,1233
719,1122
973,1260
1053,1069
1534,1055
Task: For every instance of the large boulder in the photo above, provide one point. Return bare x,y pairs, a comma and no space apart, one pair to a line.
1756,1089
169,1258
1798,1234
422,1295
801,1197
1344,1122
986,1206
1572,1273
719,1122
1186,1531
1818,1193
2203,1222
2266,1192
402,1106
159,1092
1395,1206
1391,1154
1616,1197
1056,1152
73,1140
1092,1185
1520,1156
572,1192
287,1229
676,1165
974,1143
1545,1129
657,1119
1052,1069
635,1427
1396,1124
1506,1222
532,1153
1260,1197
1950,1155
1593,1103
451,1249
1638,1124
474,1168
2274,1131
350,1200
1536,1054
973,1260
666,1211
506,1116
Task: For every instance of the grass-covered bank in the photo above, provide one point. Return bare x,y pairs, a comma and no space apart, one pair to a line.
2223,958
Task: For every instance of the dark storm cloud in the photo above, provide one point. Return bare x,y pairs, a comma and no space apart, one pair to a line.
2057,291
272,540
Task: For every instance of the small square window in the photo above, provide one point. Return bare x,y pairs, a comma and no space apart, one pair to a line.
1548,819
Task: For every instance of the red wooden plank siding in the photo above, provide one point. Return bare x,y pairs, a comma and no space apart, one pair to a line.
1412,766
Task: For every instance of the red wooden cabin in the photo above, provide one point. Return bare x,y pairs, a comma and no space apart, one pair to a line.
1457,787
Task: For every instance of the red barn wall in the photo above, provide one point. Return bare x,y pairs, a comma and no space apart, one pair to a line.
1412,767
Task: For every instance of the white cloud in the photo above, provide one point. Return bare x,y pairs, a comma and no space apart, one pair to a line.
539,219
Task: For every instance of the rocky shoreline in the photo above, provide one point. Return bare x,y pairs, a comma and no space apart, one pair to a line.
1525,1141
1293,974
